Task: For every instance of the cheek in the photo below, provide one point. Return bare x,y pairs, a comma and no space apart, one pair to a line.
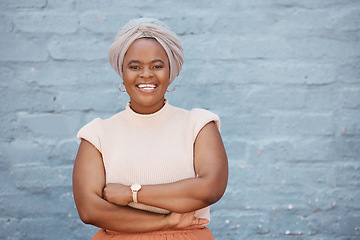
166,74
128,76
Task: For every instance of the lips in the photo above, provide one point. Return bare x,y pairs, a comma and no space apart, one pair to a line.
146,86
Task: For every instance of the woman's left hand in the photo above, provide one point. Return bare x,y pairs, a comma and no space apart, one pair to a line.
117,193
184,220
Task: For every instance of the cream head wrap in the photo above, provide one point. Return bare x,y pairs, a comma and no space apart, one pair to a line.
146,28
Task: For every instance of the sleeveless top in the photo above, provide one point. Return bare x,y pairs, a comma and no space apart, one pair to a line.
149,148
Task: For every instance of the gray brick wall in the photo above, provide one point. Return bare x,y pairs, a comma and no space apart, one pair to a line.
283,75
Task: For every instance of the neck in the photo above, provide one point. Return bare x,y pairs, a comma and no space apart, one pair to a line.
141,109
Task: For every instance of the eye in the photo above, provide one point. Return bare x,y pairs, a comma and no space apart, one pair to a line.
158,66
134,67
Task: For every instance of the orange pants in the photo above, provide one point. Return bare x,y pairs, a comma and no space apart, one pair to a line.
202,233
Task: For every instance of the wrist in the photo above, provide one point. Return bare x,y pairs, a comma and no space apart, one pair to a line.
135,188
129,196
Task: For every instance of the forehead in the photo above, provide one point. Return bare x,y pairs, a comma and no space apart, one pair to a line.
146,48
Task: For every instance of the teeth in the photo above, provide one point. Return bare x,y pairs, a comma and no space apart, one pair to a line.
151,86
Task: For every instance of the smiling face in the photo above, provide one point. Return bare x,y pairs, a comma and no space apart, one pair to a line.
146,75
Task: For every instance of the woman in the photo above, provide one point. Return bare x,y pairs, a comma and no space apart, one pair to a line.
152,170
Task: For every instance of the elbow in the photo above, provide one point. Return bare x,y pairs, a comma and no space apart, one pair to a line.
85,218
214,192
213,196
87,214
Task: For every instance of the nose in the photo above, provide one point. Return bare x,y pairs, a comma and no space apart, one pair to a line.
146,73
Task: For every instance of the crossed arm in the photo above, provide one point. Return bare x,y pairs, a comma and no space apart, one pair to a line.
105,205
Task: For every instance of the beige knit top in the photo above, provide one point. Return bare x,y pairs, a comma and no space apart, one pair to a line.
149,149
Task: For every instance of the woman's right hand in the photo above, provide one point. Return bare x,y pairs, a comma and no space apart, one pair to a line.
184,220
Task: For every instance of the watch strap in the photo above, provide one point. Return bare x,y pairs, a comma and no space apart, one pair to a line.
135,196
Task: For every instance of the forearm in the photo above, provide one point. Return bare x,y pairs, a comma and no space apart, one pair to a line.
103,214
183,196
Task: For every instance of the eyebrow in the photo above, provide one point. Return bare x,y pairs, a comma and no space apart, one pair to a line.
153,61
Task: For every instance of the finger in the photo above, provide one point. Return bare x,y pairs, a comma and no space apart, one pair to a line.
199,221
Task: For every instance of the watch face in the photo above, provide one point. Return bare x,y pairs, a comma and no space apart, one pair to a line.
135,187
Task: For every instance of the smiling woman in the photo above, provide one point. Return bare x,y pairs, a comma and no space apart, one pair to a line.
153,170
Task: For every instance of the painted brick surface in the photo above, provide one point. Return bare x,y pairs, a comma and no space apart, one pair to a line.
283,75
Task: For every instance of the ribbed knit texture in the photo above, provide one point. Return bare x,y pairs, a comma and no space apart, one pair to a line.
149,149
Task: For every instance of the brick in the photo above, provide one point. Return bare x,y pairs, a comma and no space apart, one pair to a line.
236,149
276,151
294,225
236,72
276,98
322,98
235,47
345,148
348,72
347,172
68,75
45,180
91,115
248,22
192,24
298,22
293,24
331,5
8,4
248,126
64,152
44,224
81,231
106,100
38,22
203,96
41,101
80,48
6,23
8,129
351,98
47,124
8,226
209,74
319,48
33,210
329,223
232,225
322,150
149,9
60,5
95,5
13,153
347,19
349,123
7,75
349,225
282,4
346,200
276,72
99,21
16,48
299,125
